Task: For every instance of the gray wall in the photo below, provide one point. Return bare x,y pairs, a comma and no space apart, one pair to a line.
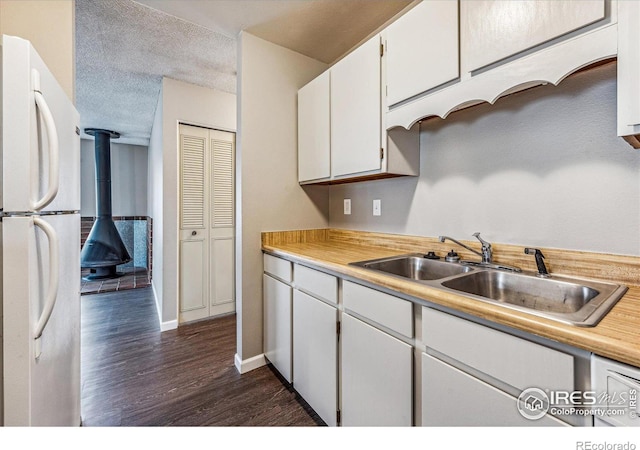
542,168
268,196
128,179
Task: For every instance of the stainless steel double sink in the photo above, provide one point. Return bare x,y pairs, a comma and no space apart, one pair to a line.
574,301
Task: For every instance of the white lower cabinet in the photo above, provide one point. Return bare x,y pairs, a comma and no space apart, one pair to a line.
376,370
315,354
472,375
515,361
277,325
349,351
451,397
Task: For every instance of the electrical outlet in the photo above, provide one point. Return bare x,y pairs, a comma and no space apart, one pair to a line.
377,208
347,206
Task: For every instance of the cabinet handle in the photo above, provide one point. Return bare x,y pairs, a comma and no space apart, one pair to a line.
194,232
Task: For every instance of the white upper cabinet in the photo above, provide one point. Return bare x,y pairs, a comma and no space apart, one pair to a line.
492,30
314,132
422,50
508,46
629,72
356,111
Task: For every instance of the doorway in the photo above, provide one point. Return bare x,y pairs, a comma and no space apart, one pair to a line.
206,285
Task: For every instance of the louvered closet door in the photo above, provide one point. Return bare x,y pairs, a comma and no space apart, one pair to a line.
194,249
221,222
206,280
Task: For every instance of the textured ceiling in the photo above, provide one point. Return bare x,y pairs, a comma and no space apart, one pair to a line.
124,48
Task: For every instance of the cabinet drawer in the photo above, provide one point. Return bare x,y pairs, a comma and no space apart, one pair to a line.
317,283
515,361
387,310
451,397
278,267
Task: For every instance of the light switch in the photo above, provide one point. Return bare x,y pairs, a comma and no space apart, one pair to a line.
377,208
347,206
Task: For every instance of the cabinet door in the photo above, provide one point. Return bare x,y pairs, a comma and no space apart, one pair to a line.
314,132
277,325
451,397
315,355
491,30
422,50
356,111
377,371
629,70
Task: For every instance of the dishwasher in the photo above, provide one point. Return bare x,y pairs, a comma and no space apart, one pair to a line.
617,387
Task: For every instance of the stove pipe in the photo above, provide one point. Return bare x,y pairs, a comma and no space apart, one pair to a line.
103,249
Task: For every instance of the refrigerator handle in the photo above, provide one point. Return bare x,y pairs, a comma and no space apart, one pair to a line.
52,290
52,134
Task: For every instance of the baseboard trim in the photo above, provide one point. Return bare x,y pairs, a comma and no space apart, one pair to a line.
164,326
249,364
170,325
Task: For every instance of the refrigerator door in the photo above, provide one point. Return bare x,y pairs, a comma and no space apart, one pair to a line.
41,376
40,135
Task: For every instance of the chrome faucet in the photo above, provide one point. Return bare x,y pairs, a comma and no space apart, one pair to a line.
486,254
444,238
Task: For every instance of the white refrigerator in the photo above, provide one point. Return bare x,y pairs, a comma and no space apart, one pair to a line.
39,244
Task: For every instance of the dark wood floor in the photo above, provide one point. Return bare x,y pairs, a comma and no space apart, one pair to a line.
133,375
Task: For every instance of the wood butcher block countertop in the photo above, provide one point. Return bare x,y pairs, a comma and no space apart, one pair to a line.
617,336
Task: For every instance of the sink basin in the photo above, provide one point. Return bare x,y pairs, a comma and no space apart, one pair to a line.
574,301
415,267
529,292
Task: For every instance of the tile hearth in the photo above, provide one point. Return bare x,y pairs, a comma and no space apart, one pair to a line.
134,278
